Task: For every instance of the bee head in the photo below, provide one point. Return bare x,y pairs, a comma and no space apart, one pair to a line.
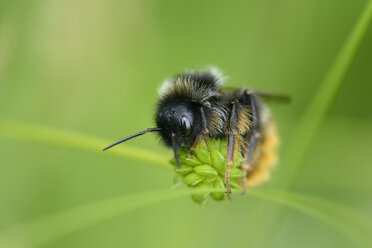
178,122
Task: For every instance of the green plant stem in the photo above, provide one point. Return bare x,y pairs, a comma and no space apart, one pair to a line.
73,140
314,116
51,227
311,122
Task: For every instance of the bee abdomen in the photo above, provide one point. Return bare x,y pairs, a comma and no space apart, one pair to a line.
265,157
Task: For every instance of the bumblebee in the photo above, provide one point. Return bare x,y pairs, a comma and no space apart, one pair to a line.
194,107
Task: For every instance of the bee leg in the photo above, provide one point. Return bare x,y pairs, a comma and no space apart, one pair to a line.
193,147
229,161
254,138
202,136
230,146
246,165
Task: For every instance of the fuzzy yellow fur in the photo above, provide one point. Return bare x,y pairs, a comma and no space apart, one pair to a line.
265,157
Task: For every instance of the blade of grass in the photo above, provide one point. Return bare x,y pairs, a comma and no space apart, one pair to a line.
314,116
310,124
51,227
340,218
73,140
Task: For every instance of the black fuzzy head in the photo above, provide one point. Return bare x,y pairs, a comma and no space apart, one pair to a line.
179,121
184,99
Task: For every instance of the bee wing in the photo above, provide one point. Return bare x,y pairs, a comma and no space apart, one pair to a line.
265,95
275,97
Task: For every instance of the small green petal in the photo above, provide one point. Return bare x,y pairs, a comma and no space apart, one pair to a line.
234,185
205,170
236,173
219,184
182,156
210,179
193,179
218,161
183,170
203,145
192,161
219,196
201,198
223,148
213,144
203,156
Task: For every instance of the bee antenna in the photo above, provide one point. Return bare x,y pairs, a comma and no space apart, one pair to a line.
175,150
133,136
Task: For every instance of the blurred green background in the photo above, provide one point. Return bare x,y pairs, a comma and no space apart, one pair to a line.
94,67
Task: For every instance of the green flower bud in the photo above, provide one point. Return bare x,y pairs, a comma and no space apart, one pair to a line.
193,179
201,198
183,170
219,184
218,161
202,145
205,170
192,161
213,144
203,156
223,148
210,179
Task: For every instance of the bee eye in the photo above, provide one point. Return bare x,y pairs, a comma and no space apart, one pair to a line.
185,126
